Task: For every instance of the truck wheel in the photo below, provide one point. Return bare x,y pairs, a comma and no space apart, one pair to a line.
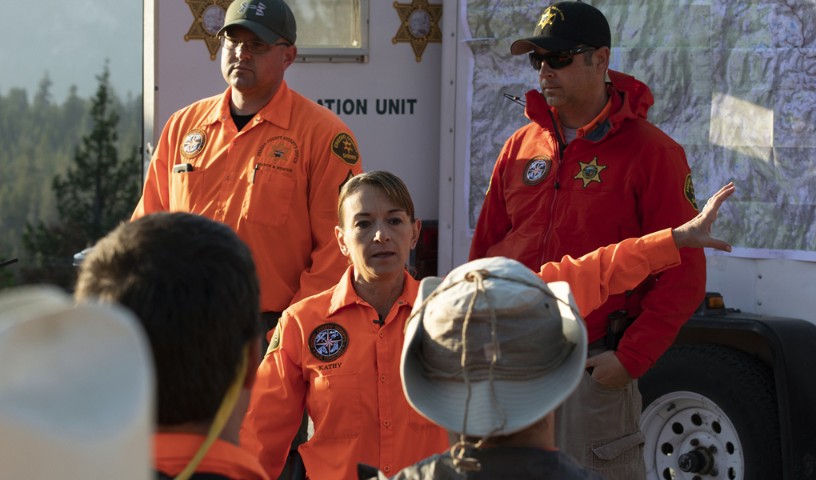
710,412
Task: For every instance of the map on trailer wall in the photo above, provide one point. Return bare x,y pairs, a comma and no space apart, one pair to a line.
733,84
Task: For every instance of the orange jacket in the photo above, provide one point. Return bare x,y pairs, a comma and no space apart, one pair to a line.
613,269
275,183
173,451
620,178
330,357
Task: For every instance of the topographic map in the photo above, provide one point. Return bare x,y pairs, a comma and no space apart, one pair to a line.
734,83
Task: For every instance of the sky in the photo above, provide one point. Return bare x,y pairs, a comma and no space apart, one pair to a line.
70,40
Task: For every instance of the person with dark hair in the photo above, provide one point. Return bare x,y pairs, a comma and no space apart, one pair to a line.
260,158
192,284
589,170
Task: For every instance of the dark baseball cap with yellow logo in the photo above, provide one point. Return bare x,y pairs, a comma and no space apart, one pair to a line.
270,20
566,25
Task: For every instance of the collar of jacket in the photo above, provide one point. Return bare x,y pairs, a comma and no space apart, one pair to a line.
631,98
277,111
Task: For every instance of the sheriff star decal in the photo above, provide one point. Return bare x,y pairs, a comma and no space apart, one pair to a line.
420,25
208,18
590,172
328,342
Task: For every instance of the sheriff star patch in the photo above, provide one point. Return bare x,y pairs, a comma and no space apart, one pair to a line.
328,342
344,147
193,144
590,172
536,170
688,190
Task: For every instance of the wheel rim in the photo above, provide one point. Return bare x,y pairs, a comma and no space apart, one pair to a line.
688,437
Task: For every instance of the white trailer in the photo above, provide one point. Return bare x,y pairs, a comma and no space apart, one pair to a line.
421,85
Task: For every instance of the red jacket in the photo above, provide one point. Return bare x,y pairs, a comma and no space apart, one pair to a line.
621,177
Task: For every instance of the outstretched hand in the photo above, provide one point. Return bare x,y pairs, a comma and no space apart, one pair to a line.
696,233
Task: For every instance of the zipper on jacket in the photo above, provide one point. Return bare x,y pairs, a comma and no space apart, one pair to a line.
556,186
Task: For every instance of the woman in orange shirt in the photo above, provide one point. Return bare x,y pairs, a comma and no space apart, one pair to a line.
337,354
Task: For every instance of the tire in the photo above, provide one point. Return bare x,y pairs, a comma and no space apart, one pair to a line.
710,412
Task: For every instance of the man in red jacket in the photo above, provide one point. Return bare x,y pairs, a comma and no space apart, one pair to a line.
590,170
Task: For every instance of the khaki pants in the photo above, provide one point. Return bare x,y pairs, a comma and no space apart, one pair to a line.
599,427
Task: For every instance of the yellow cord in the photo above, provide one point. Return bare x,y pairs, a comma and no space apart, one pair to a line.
221,417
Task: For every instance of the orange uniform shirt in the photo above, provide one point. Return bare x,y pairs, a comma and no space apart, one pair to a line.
275,183
330,357
173,451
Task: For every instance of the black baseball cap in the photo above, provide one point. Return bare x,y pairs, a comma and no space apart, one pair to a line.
566,25
270,20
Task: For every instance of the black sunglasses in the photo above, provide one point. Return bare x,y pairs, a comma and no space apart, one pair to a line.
556,60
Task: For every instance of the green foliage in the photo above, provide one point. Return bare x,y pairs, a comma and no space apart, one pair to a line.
91,194
6,275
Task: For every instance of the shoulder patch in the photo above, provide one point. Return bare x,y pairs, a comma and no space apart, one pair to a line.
193,144
274,342
328,342
688,190
536,170
345,180
344,147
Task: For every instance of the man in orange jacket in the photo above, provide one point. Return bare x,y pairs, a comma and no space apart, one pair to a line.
260,158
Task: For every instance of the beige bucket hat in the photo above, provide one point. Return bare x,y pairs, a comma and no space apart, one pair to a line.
521,341
76,389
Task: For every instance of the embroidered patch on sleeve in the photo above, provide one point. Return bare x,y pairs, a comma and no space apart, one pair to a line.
688,189
275,341
345,148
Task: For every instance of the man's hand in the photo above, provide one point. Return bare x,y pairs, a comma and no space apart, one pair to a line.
696,233
608,370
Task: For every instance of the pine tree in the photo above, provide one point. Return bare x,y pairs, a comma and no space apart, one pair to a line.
97,192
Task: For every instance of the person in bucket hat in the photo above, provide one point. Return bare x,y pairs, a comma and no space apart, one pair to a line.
492,350
588,170
490,353
76,389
